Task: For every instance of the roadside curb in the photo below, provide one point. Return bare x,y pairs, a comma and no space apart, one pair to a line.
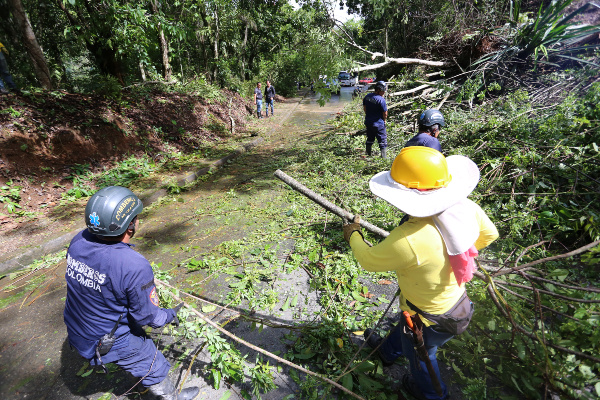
57,244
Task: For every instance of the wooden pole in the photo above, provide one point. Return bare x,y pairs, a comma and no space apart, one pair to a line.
326,204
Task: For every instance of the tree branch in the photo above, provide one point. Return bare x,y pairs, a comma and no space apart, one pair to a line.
543,260
259,350
388,60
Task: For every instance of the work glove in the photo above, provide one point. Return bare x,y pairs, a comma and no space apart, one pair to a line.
350,228
3,48
176,309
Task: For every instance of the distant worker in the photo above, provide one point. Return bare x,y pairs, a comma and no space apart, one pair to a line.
432,253
430,123
258,100
6,77
270,98
376,114
111,294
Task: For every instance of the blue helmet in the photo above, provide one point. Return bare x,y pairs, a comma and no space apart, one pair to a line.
110,210
431,117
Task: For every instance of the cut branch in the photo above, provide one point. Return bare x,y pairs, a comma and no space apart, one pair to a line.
543,260
326,204
413,90
259,350
388,60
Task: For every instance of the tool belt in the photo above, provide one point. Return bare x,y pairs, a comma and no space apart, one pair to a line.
455,321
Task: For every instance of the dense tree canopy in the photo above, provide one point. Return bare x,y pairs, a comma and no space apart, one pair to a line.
227,42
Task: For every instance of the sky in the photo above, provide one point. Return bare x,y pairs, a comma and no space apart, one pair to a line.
340,15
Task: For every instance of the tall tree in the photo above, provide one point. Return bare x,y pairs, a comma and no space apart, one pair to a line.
164,46
31,44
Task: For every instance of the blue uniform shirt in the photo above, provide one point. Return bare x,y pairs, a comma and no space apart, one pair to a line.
375,106
104,280
423,139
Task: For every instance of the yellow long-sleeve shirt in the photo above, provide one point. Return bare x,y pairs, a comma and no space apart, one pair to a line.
416,251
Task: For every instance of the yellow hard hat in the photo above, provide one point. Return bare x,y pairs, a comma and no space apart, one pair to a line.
419,167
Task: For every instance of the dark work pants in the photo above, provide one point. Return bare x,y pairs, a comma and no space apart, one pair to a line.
140,358
397,344
5,75
376,132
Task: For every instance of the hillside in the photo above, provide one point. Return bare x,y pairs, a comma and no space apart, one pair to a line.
50,139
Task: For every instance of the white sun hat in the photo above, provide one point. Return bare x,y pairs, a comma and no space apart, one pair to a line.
422,182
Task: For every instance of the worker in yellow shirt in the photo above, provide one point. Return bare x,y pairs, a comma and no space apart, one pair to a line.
4,73
431,252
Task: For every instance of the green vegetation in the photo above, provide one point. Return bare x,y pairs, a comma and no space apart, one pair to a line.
10,196
539,168
103,48
526,111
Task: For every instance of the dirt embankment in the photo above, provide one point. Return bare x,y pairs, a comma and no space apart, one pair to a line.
44,135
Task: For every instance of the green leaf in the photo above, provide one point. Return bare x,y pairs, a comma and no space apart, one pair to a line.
208,308
356,296
383,300
347,381
238,285
83,368
294,301
586,371
226,395
305,356
368,384
521,350
512,378
87,373
217,378
107,396
366,366
286,305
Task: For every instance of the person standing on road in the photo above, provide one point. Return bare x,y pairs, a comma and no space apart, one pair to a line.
376,114
270,98
111,295
258,100
430,124
432,252
6,77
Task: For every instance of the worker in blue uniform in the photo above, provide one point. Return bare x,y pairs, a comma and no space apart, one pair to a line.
430,123
376,114
111,294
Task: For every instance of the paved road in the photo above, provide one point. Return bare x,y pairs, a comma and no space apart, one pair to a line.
35,359
237,205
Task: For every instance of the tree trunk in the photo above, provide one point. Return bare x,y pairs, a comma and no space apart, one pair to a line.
31,44
216,46
164,48
142,72
243,55
104,56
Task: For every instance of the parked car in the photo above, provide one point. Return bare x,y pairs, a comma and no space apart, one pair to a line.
346,79
366,81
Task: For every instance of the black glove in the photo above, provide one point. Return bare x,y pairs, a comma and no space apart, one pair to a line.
176,309
350,228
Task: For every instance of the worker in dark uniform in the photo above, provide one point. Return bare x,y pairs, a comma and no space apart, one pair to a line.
375,115
110,288
430,124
